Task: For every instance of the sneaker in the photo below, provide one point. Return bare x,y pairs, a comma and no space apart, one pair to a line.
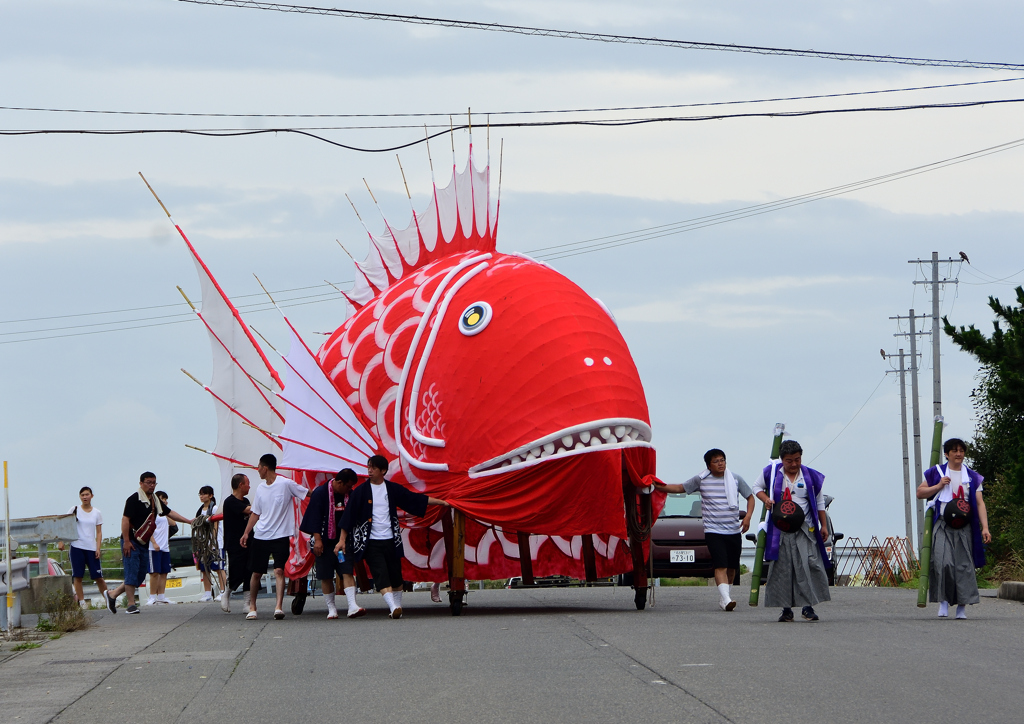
111,602
151,601
332,614
278,614
396,612
132,609
787,616
251,616
435,592
808,613
356,612
206,597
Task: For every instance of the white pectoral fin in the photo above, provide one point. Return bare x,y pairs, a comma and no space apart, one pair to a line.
321,431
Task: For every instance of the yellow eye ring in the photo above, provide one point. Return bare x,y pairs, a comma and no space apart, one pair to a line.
475,318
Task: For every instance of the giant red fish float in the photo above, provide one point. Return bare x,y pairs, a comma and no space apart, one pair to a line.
487,379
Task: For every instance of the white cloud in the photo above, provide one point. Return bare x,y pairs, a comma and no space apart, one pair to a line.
712,304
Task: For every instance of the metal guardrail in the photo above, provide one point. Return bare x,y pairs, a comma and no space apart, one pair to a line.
45,529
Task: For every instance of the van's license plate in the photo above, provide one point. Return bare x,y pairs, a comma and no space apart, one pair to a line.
675,557
174,583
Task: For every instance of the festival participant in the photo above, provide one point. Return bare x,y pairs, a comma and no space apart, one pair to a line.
86,550
957,540
322,521
236,513
720,490
136,530
371,519
208,507
272,524
797,575
159,555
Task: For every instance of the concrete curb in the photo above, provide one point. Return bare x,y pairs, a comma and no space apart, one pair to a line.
1012,590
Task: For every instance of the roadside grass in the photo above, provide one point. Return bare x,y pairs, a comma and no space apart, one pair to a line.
63,614
684,582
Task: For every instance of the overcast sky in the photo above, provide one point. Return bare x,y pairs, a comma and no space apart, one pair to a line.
774,318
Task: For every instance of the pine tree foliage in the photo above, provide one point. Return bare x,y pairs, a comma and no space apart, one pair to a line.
997,451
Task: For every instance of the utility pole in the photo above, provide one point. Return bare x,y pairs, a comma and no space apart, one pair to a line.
916,408
907,507
935,283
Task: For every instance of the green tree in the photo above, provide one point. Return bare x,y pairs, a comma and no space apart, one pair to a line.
997,451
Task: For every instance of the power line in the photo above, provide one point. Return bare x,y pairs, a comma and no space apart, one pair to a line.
265,308
458,113
602,243
562,251
884,375
258,306
614,123
159,306
605,37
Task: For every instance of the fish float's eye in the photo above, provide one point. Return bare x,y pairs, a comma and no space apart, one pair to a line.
475,318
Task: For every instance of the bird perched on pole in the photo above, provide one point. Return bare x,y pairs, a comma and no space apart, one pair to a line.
964,257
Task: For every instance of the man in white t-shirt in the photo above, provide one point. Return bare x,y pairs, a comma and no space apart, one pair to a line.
272,524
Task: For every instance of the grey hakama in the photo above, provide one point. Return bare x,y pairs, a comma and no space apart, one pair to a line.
798,577
952,578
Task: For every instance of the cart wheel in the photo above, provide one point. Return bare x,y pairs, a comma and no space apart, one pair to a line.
640,599
298,603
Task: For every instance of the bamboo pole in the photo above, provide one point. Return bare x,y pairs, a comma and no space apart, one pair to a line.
755,578
7,556
926,539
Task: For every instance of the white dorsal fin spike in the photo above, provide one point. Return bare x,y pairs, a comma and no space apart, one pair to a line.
460,217
430,160
419,232
392,261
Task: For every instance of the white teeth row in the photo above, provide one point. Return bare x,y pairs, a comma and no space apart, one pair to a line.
577,441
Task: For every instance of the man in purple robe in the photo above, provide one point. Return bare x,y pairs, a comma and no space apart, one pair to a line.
797,576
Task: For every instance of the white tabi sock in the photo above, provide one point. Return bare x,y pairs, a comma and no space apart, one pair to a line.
389,599
943,609
723,591
329,597
350,594
397,595
961,612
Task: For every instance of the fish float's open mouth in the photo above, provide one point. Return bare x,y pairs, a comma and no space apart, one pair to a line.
575,440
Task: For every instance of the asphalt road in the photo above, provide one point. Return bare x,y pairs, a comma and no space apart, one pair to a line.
564,655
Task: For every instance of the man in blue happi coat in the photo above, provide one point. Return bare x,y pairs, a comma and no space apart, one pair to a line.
370,529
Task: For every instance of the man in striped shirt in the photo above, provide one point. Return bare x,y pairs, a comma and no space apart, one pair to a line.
720,491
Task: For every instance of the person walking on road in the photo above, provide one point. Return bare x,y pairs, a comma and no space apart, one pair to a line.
208,507
138,521
322,520
85,551
236,513
370,530
797,576
159,555
960,530
272,525
720,491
